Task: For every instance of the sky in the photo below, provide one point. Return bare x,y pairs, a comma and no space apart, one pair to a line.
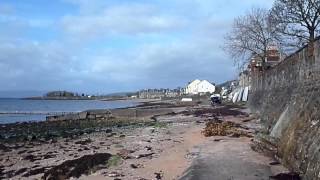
104,46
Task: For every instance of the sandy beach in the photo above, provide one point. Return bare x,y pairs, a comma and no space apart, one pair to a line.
166,145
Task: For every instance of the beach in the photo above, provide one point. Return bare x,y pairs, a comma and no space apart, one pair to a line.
164,141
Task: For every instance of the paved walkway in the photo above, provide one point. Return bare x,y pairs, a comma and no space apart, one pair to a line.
230,159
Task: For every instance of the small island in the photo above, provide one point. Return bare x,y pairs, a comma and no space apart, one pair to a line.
63,95
67,95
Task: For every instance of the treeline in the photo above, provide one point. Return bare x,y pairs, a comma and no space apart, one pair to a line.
64,94
288,25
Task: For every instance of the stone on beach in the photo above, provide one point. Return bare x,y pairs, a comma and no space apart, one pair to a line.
77,167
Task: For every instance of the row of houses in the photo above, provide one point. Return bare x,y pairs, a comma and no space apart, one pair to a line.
196,87
160,93
236,92
242,92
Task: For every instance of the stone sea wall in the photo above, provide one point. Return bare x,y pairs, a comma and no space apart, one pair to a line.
287,98
85,115
127,113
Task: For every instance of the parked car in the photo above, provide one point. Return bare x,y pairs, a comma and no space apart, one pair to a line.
215,99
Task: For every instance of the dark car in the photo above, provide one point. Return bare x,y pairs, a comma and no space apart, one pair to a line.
215,100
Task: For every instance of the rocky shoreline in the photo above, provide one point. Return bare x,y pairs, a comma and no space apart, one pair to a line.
152,141
75,124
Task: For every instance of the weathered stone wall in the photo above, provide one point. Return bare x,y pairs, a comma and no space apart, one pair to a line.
127,113
85,115
288,99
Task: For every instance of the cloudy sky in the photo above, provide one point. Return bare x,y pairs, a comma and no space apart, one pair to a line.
102,46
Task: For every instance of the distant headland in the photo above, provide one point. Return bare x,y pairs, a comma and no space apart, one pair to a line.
67,95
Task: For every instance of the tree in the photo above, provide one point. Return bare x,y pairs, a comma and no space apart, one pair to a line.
251,35
297,21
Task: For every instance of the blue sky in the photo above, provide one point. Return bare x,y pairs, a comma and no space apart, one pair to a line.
102,46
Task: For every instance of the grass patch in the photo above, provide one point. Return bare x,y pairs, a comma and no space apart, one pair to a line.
160,125
118,146
115,160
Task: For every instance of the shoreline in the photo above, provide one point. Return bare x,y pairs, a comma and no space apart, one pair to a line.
137,102
79,123
164,142
81,98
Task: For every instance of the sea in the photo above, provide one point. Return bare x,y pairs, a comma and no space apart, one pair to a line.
21,110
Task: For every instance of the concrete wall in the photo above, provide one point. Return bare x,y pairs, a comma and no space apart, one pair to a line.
288,99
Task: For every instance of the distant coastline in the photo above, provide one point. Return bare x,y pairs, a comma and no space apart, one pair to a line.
80,98
65,95
23,110
60,98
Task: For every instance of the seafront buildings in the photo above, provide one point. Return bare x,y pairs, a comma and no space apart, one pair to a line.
196,87
200,87
160,93
254,68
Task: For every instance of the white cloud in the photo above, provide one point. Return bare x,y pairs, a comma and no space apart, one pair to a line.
133,19
166,65
29,64
146,44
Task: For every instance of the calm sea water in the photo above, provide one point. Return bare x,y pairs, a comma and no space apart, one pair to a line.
19,110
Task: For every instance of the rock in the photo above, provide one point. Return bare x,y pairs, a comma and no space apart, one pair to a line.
111,134
34,172
125,154
234,135
144,155
115,174
159,175
51,141
30,157
49,155
77,167
32,138
93,147
274,163
7,174
20,171
86,148
286,176
149,148
152,130
135,166
84,142
148,140
21,152
4,148
108,131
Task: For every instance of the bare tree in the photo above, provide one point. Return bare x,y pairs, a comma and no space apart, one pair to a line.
298,21
251,35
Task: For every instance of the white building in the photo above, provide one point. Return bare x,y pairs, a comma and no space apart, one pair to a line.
199,87
192,87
